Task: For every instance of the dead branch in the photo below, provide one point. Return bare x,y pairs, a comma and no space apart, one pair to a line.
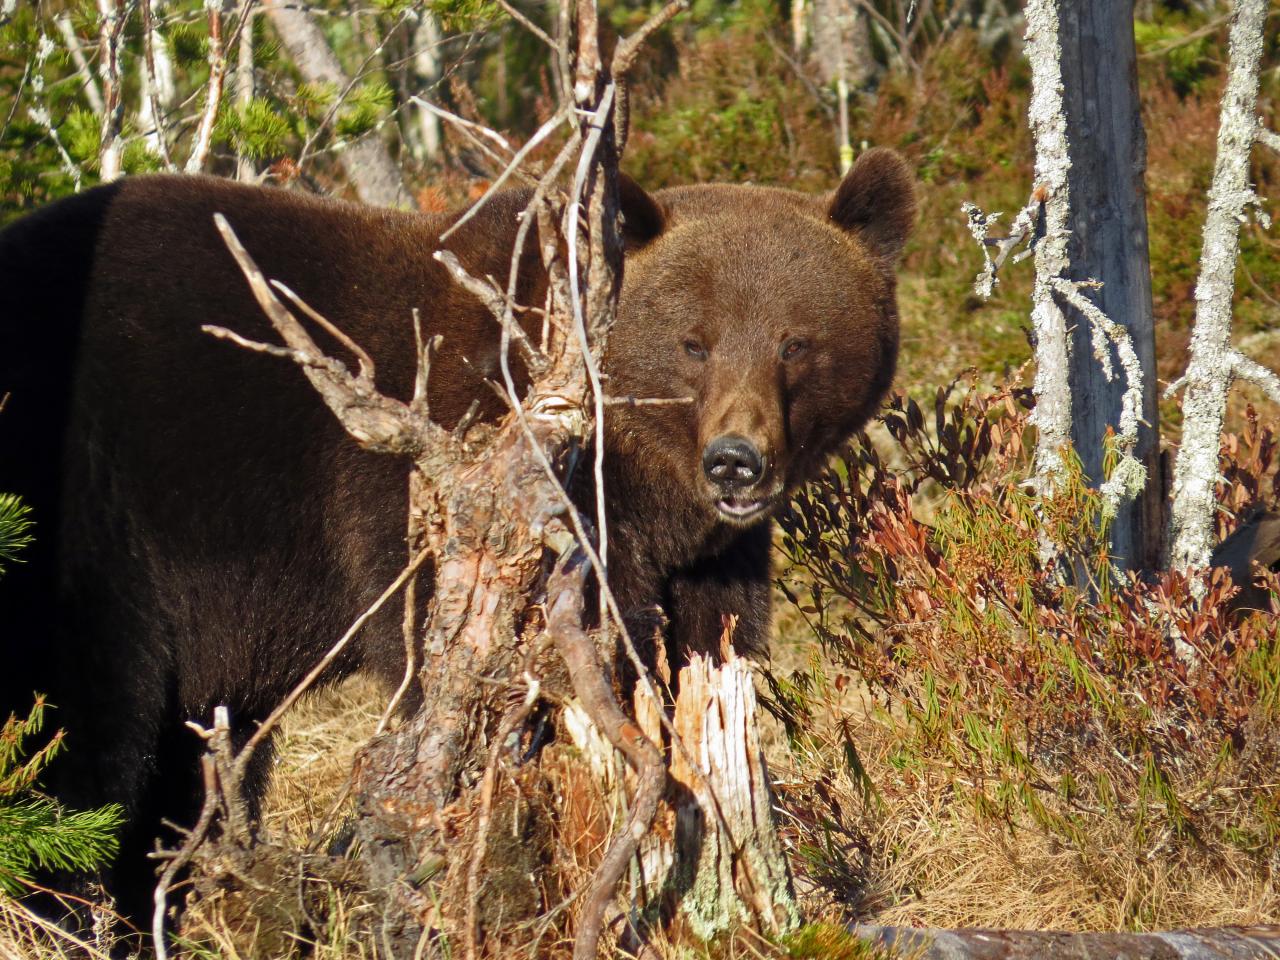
378,422
1213,362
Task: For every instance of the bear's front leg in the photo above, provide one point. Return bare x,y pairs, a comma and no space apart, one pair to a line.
734,582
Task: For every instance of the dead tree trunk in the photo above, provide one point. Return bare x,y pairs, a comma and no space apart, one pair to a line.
1108,159
369,166
1214,364
1064,199
727,866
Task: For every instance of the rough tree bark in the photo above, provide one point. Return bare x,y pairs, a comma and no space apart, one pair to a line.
1108,243
1214,364
368,165
1067,197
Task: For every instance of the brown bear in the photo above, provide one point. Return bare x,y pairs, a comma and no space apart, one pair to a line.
205,528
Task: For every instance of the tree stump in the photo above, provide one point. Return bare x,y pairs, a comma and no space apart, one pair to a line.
712,859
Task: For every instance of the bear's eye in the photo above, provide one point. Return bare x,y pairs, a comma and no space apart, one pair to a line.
792,348
695,349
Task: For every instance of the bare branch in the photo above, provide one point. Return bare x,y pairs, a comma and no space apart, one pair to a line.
475,129
511,168
69,39
377,422
193,840
1129,476
246,752
1246,369
628,49
590,683
367,369
493,298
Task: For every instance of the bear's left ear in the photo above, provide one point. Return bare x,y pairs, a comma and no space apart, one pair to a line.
877,202
642,216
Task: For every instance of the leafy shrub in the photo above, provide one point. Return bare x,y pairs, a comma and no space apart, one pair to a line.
1118,709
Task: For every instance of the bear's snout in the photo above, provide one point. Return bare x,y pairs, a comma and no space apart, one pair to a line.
732,461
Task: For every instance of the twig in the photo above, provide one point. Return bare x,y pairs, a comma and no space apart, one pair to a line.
183,857
512,167
585,160
378,422
464,124
496,302
528,24
367,369
72,43
628,49
246,752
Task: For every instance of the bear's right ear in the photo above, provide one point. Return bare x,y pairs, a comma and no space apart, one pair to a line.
642,216
877,202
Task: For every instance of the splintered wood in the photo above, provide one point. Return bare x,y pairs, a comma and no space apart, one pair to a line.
712,858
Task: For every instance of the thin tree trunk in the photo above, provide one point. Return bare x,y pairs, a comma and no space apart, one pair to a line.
426,71
110,29
88,85
1214,363
245,171
1105,177
369,166
1048,120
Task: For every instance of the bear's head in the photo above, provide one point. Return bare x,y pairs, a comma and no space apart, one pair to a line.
772,315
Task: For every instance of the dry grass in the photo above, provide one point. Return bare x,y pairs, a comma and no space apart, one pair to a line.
922,857
315,749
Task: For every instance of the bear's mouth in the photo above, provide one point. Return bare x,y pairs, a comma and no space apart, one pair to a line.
742,509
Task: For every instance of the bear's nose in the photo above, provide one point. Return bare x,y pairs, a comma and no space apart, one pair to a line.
732,461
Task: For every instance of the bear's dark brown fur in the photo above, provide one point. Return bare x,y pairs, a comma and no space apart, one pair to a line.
206,529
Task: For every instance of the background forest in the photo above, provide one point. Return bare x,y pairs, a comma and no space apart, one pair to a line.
957,739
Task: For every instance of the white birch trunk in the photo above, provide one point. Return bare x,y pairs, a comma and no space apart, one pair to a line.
245,171
426,68
110,29
158,86
1213,363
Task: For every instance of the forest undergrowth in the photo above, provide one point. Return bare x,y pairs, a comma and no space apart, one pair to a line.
957,737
